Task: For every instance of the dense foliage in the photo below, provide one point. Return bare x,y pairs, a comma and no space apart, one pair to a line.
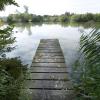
26,17
12,71
67,17
11,78
6,40
88,86
3,3
85,17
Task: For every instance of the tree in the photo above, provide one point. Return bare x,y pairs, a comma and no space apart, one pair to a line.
64,18
96,18
11,69
26,9
3,3
67,13
5,40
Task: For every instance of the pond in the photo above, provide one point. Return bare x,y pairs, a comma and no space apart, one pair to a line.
28,36
17,53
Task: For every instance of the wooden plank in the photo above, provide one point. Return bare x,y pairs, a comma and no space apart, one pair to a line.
48,84
48,78
49,60
48,48
51,94
44,46
48,40
58,65
44,50
49,54
43,69
49,57
57,76
49,43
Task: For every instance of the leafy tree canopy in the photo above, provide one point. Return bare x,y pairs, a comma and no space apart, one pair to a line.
3,3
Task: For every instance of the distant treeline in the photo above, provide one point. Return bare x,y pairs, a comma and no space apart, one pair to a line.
26,17
86,17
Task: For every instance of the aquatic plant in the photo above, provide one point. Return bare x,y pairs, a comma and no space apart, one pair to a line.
88,66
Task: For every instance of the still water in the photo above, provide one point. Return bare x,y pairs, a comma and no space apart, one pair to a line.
28,37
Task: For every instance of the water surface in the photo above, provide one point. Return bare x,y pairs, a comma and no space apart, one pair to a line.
28,36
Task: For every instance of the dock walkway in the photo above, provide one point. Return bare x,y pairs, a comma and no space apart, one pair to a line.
48,74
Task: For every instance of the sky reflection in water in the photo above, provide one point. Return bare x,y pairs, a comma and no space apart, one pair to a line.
28,37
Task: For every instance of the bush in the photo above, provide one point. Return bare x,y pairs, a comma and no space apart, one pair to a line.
64,18
12,73
82,17
96,18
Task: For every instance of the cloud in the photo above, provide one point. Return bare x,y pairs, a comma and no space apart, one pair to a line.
55,6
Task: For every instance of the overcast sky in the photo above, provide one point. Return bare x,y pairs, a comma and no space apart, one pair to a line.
51,7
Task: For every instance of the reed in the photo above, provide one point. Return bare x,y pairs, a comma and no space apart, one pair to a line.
88,87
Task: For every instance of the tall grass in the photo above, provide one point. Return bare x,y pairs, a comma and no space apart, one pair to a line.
88,86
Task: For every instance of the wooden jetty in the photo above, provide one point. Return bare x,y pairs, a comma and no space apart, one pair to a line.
48,74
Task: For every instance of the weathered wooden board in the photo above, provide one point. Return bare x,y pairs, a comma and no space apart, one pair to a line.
49,57
51,51
51,94
49,60
45,69
49,54
48,78
58,65
48,84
